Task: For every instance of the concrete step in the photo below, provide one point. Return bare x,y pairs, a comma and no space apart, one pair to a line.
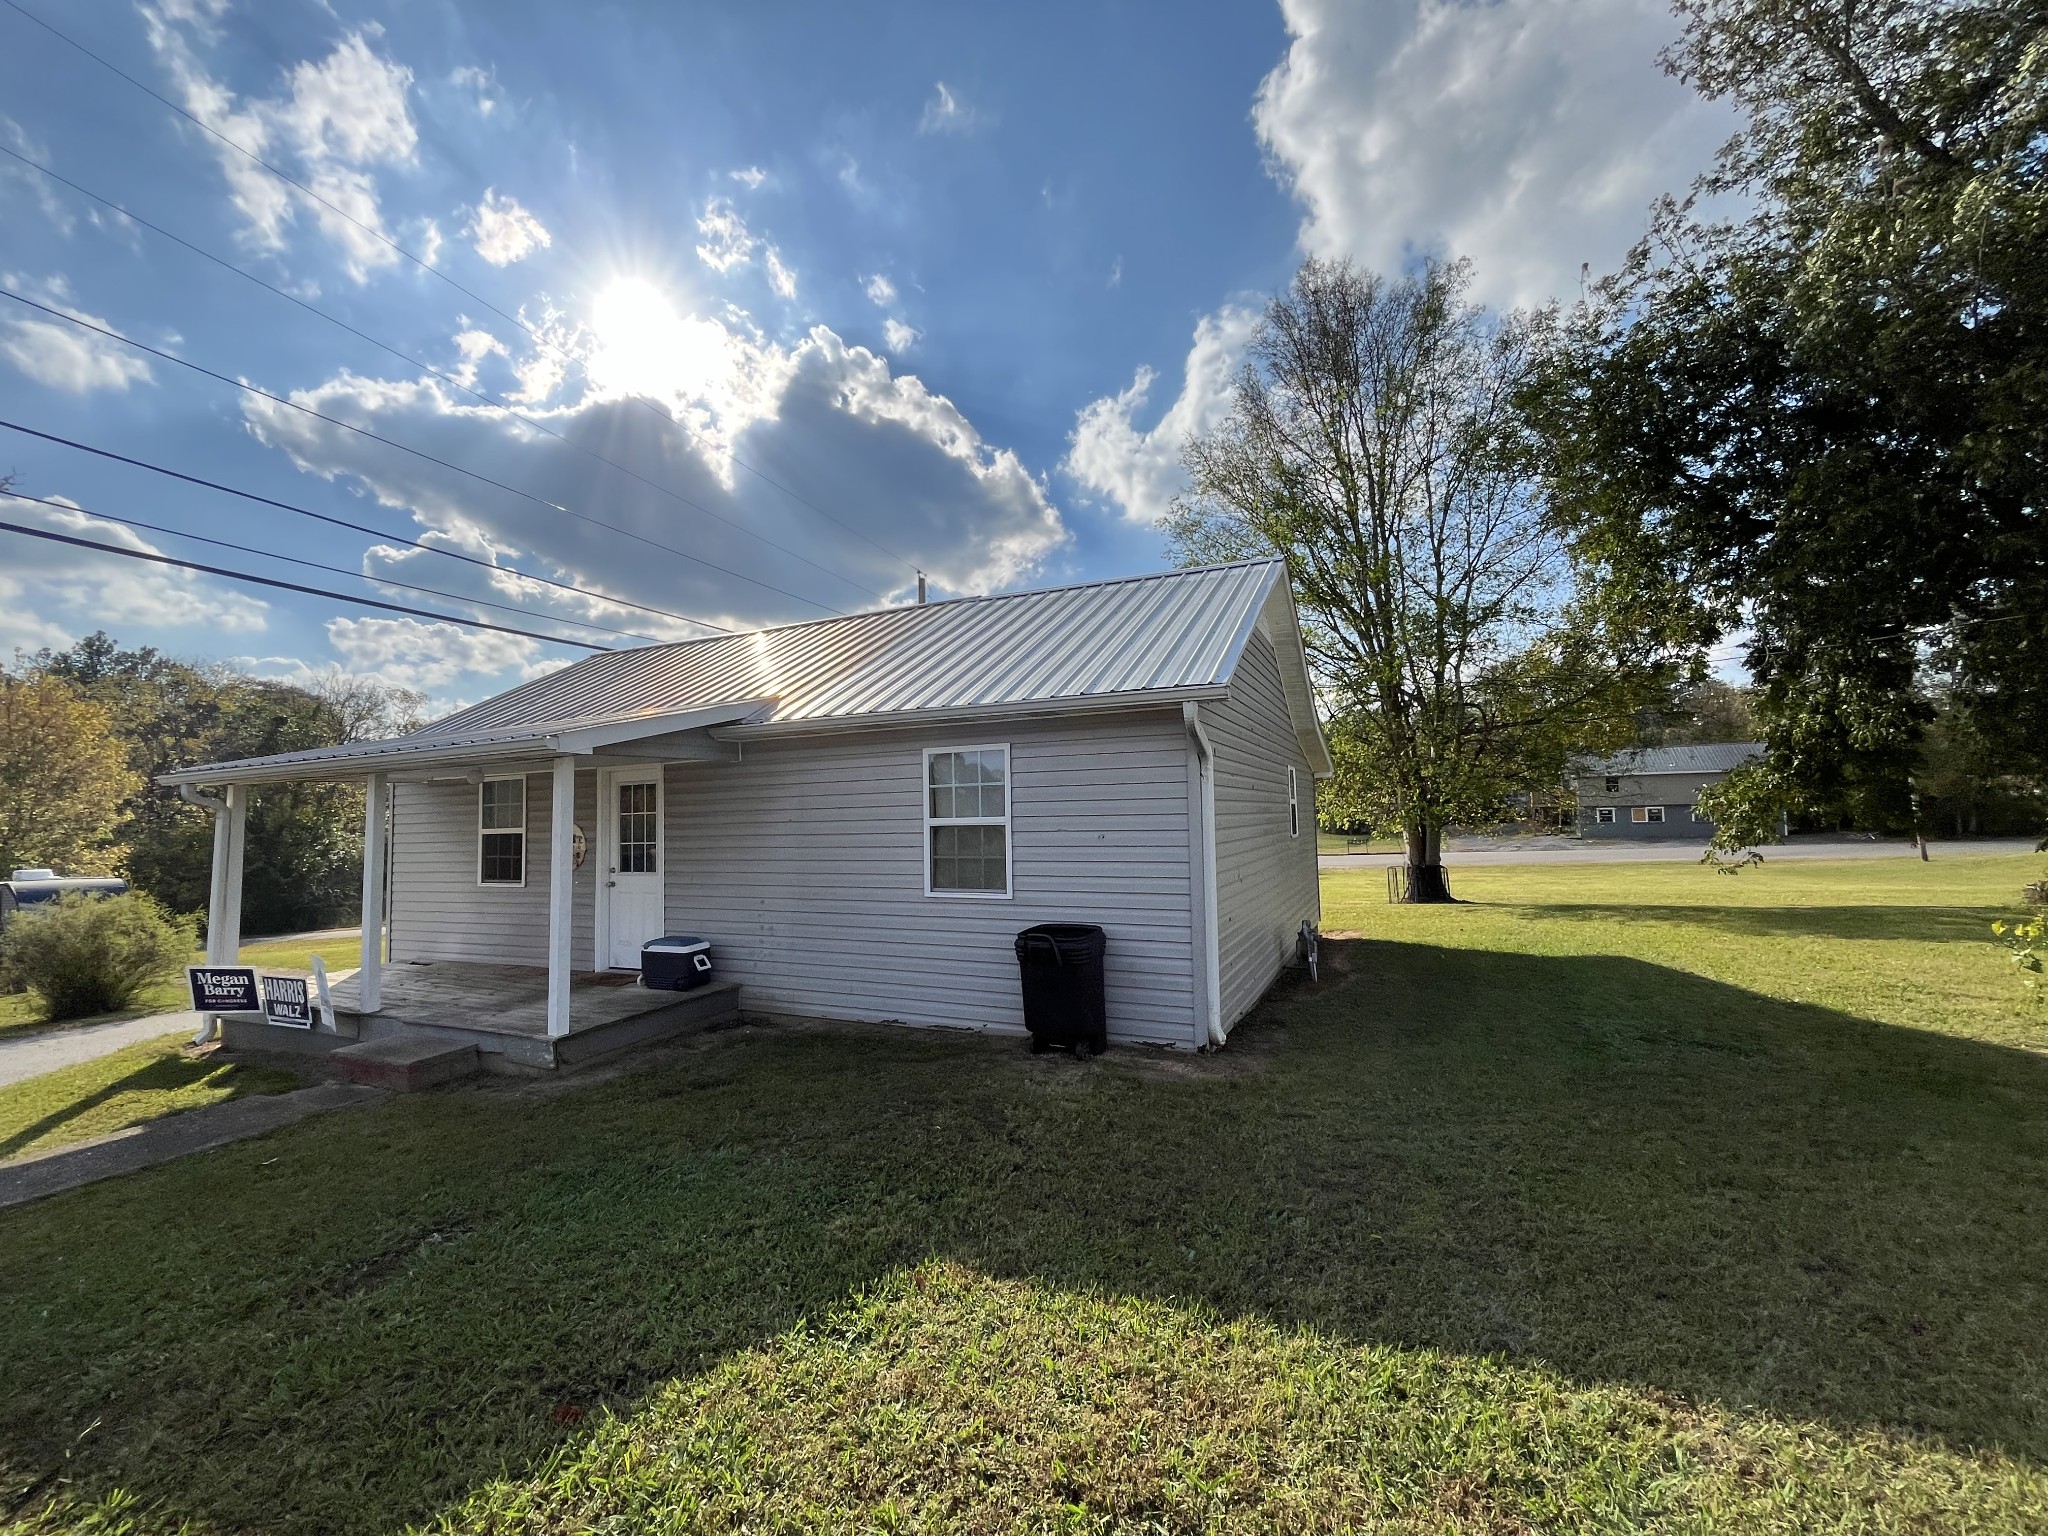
406,1064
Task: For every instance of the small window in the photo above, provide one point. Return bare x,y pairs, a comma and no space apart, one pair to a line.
967,822
1604,815
1293,804
1655,813
501,832
1700,815
1612,785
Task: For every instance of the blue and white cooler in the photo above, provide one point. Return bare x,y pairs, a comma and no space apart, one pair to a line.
675,962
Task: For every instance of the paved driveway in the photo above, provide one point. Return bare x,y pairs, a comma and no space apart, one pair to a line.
54,1048
1566,850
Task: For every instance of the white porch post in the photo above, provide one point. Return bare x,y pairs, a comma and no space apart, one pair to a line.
370,979
224,900
224,891
561,891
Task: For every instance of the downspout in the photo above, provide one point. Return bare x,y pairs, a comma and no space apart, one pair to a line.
1212,973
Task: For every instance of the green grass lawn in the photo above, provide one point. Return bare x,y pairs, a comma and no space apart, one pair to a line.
1628,1197
144,1082
22,1013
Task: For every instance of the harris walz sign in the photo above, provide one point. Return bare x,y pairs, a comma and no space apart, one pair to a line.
286,1002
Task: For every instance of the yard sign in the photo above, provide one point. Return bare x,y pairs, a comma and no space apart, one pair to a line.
223,989
285,1002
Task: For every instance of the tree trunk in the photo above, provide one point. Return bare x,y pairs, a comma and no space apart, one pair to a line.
1426,881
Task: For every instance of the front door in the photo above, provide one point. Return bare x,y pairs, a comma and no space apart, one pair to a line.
632,875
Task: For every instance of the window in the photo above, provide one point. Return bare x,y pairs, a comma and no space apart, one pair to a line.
1656,812
1293,805
1612,785
639,824
1604,815
1700,815
1642,813
501,832
967,822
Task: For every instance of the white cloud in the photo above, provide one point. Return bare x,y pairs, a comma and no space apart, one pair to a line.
415,654
780,277
827,422
900,336
1530,135
749,176
1139,469
727,243
945,112
340,117
49,588
60,356
482,85
880,291
504,232
1116,273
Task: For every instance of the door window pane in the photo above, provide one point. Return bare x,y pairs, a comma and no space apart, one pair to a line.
639,828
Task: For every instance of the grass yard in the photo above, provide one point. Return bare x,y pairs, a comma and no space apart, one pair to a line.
1627,1197
21,1013
127,1087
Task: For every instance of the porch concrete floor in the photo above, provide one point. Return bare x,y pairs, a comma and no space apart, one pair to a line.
500,999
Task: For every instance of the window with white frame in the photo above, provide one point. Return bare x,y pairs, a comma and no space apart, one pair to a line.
967,821
501,832
1642,813
1293,805
1612,784
1604,815
1700,815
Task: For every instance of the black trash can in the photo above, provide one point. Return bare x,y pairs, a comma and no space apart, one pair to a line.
1061,968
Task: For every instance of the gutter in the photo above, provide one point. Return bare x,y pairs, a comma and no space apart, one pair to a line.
1212,959
968,714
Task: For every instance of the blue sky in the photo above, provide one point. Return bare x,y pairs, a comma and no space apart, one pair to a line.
793,300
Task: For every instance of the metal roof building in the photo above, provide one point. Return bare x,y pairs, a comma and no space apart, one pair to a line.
858,814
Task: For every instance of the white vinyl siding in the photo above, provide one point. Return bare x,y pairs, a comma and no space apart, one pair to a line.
804,865
1266,880
438,909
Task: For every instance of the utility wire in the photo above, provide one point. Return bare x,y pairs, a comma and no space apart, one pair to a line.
332,570
342,522
426,266
446,378
292,586
421,454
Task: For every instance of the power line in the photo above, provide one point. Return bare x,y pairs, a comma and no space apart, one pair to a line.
342,522
418,453
426,266
332,570
292,586
446,378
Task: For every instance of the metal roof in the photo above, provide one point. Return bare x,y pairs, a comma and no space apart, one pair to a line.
1711,757
1133,640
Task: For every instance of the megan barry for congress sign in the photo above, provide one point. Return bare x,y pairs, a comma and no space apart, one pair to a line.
223,989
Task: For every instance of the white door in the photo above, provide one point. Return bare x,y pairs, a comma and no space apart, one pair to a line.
632,875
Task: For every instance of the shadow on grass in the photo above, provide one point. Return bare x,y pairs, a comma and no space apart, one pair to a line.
1594,1165
166,1074
1925,924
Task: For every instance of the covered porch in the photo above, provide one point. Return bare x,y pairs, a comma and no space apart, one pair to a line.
543,1015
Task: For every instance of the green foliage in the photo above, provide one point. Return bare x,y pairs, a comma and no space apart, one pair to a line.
84,954
2026,941
303,849
1463,646
1830,418
64,777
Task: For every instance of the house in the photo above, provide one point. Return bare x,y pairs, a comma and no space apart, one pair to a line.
858,813
1652,792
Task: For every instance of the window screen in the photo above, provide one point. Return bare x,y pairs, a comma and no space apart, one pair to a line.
501,832
967,821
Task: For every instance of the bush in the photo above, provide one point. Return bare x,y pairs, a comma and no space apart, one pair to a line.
85,954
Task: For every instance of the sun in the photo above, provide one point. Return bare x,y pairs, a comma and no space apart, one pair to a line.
645,345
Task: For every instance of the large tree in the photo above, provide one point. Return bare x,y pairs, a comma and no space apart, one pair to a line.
1827,413
64,778
1459,645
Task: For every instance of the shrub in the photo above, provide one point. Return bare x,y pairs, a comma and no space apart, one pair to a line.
85,954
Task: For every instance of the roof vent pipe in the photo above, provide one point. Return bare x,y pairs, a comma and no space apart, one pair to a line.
920,589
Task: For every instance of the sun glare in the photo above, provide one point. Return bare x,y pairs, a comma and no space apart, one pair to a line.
646,347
